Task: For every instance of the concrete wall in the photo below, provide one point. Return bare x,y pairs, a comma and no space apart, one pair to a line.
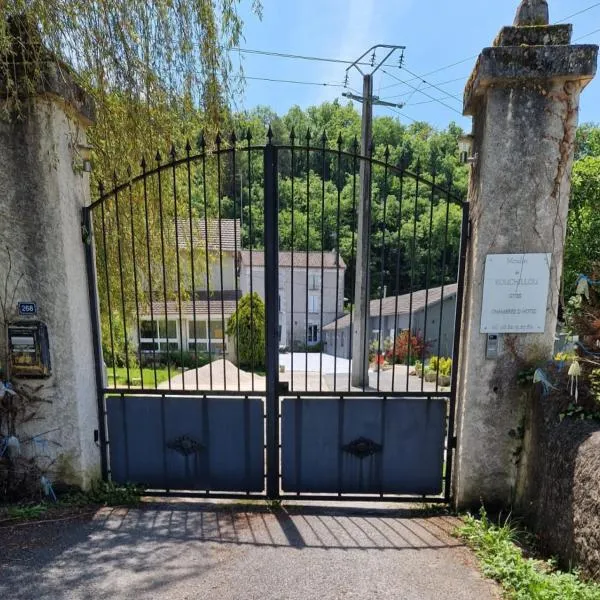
524,101
41,196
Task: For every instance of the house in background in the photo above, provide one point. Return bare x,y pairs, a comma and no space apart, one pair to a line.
206,309
199,321
304,279
399,313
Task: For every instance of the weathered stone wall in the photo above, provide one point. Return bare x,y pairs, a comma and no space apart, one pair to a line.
524,101
42,191
560,485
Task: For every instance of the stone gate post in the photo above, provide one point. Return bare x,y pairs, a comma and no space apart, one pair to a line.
43,186
523,96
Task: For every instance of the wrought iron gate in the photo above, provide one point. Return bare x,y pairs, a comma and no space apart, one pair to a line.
195,402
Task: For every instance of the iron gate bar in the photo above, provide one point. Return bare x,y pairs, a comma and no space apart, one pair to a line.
307,255
135,278
291,394
236,259
192,266
464,244
177,261
382,266
437,378
337,258
118,219
412,272
293,177
208,333
272,315
219,199
223,151
105,249
164,271
322,282
88,236
428,281
398,250
151,303
367,271
251,239
353,254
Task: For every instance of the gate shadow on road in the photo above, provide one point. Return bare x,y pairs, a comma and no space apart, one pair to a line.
297,526
160,547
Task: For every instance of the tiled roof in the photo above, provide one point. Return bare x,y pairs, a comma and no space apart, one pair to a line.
228,232
299,258
187,308
388,305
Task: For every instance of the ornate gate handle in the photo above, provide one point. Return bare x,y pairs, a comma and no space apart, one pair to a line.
362,447
185,445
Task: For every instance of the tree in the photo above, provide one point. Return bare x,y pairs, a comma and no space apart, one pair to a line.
247,327
154,68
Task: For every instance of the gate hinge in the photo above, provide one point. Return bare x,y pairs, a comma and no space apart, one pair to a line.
453,442
469,229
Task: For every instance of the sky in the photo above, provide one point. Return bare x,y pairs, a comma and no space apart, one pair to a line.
436,33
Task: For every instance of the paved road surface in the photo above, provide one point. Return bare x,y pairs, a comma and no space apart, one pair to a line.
188,551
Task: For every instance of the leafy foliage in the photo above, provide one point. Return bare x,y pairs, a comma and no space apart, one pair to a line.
247,326
522,578
152,68
407,348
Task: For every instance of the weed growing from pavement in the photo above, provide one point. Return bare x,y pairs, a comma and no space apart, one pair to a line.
522,578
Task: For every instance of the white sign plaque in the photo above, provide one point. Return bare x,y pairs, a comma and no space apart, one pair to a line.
515,293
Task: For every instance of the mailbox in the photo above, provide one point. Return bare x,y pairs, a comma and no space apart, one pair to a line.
29,349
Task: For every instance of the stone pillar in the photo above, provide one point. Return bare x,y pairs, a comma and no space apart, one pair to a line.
43,188
523,96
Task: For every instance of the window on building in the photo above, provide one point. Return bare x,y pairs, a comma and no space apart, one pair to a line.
314,281
216,330
158,336
167,330
313,303
197,330
148,329
313,334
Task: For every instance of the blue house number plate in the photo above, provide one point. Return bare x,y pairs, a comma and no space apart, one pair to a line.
27,308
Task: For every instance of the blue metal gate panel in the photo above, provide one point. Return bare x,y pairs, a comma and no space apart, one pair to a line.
363,445
187,443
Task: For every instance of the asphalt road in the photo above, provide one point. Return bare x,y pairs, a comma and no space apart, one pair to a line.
188,551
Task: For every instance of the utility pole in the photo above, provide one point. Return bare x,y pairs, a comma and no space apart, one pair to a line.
360,329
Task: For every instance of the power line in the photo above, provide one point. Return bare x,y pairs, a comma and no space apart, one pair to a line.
464,60
274,80
587,35
432,84
429,85
580,12
424,93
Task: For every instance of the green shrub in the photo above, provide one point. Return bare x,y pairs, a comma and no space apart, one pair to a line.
247,327
522,578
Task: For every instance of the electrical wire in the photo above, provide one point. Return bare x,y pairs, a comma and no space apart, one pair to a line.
586,35
424,93
275,80
580,12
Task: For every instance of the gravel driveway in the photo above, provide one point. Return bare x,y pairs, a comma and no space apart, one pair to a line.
190,551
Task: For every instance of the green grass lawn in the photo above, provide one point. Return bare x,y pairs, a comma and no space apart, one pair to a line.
134,376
